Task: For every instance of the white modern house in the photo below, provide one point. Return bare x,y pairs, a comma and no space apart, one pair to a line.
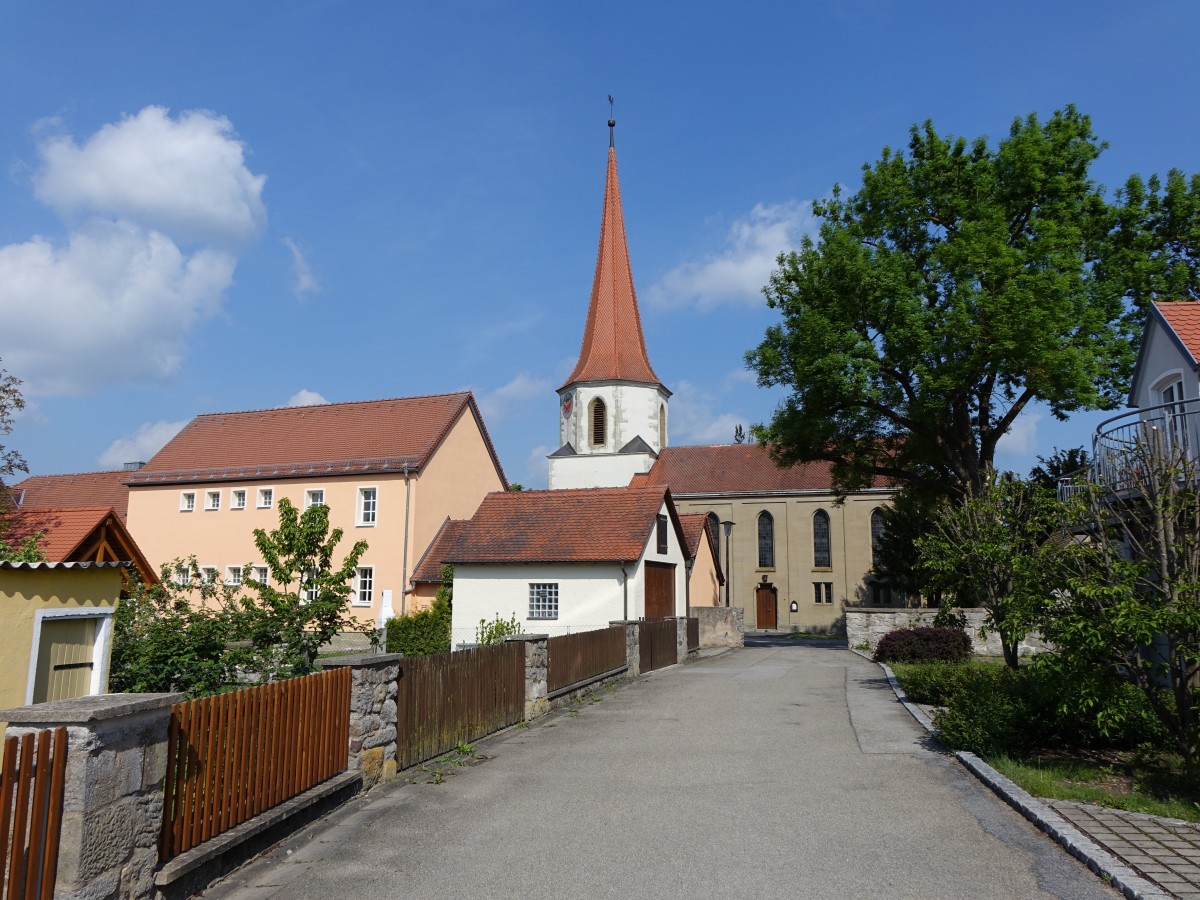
569,560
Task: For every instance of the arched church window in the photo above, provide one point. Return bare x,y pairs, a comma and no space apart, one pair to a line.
766,540
878,530
662,425
822,556
714,528
599,423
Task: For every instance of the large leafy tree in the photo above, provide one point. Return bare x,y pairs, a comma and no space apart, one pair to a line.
959,285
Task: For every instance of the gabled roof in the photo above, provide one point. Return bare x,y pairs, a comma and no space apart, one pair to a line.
81,534
733,469
372,436
83,489
697,533
1180,321
429,566
614,348
573,526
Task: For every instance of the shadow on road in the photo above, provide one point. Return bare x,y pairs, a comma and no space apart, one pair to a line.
783,640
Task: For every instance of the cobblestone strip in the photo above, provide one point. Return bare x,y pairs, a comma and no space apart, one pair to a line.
1112,868
1166,851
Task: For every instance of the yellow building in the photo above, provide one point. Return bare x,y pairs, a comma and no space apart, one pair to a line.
390,471
57,635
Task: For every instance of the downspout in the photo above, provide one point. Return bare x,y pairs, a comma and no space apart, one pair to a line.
404,588
625,591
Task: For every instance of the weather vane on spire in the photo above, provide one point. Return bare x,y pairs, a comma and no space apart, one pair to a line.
612,123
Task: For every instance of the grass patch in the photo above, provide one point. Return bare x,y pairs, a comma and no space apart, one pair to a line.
1117,781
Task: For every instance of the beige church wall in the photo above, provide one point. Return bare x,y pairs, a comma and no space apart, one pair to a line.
794,573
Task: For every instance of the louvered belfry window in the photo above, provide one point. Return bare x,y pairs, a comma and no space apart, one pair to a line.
599,423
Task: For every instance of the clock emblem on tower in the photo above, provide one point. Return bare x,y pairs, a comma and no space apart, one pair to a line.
568,403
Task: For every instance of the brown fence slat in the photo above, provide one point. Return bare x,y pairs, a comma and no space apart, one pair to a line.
658,640
31,799
8,781
37,820
236,755
577,658
58,777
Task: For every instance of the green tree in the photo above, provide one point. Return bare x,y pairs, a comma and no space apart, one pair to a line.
960,284
1132,603
305,602
11,461
26,550
739,434
991,551
1060,464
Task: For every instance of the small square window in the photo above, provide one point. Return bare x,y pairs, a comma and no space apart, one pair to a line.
543,601
266,498
823,591
315,497
208,574
368,505
237,499
212,500
187,501
183,575
262,574
308,594
233,575
364,586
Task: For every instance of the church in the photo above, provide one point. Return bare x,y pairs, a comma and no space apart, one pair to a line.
609,539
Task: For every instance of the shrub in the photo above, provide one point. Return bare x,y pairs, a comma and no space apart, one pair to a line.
923,644
494,632
422,633
930,683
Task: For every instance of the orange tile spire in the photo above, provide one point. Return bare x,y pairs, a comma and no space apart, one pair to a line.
613,346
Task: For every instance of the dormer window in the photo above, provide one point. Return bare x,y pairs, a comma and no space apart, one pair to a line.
599,420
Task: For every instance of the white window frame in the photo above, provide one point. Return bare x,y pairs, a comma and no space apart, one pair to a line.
229,575
266,498
543,600
183,575
357,599
362,520
212,501
187,501
308,500
236,495
262,574
208,575
100,647
307,595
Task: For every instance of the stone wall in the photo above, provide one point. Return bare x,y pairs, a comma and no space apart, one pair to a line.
373,691
720,626
113,792
537,673
866,625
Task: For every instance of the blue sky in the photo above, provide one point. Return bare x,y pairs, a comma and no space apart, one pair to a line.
225,206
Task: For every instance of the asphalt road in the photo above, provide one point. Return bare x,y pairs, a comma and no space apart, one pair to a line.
783,770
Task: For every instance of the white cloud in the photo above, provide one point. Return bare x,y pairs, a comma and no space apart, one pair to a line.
113,305
185,177
116,299
1016,450
305,397
303,280
694,418
537,470
520,391
141,445
737,273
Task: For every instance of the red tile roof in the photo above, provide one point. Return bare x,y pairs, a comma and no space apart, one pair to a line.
1184,319
577,526
733,469
613,345
297,441
76,535
429,567
84,489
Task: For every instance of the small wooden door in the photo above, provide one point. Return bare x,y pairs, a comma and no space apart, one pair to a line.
766,598
65,659
660,590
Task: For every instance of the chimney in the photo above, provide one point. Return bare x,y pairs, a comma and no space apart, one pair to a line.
134,466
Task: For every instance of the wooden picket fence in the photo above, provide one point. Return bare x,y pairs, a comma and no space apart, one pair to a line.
461,696
575,659
658,643
233,756
31,808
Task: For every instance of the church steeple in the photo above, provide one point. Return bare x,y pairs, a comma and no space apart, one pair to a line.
613,346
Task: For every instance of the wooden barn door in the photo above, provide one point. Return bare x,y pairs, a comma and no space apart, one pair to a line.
660,590
64,665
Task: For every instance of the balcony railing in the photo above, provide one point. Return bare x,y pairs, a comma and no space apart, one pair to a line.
1167,435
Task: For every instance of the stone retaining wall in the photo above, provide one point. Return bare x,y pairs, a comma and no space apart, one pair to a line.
721,626
866,625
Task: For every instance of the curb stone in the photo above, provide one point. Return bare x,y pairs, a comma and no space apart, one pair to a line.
1074,841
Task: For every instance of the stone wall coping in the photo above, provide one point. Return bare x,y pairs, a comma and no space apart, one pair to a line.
365,661
518,638
911,609
624,622
85,710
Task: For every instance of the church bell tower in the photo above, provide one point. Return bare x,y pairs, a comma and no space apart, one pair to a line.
612,410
